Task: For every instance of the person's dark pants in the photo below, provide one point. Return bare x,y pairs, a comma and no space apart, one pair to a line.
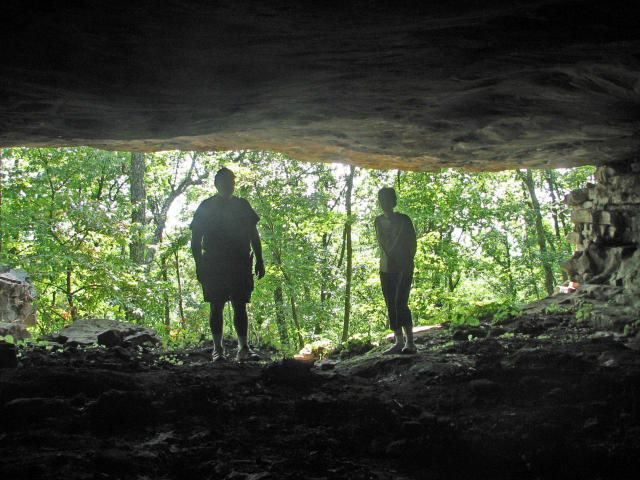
396,288
240,317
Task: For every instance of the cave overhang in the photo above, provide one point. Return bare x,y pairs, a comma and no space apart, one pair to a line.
411,85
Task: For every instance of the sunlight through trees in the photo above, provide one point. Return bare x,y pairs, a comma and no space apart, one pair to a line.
105,234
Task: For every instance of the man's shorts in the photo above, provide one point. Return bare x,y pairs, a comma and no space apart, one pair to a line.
220,285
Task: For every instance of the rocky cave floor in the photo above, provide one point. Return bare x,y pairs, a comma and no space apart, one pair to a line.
538,396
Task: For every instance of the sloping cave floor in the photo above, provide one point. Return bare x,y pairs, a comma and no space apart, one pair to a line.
539,396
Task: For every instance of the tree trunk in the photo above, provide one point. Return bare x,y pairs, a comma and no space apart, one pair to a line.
549,281
183,320
554,209
534,282
294,316
281,321
511,290
73,310
451,283
342,246
562,217
277,256
556,215
349,253
165,295
160,208
138,207
325,286
325,294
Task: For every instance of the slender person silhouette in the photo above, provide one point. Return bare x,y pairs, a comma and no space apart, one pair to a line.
397,242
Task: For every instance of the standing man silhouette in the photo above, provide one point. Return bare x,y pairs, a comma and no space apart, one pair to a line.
224,231
397,241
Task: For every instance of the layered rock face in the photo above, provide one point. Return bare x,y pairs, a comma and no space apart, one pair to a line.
17,295
416,85
607,238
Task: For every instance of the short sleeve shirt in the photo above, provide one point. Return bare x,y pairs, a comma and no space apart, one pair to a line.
226,226
397,241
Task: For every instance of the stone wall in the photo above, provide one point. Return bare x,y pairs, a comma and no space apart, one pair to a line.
17,295
607,239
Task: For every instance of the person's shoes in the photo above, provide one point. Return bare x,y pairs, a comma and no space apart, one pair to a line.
393,350
218,356
409,349
246,354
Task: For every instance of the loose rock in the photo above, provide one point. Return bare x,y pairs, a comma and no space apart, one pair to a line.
90,331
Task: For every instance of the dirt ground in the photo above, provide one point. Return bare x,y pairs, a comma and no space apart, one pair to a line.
536,397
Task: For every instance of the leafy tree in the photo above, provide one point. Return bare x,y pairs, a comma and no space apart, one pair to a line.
137,189
68,229
349,253
114,244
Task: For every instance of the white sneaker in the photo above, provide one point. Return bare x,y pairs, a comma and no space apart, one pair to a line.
409,349
393,350
246,354
218,356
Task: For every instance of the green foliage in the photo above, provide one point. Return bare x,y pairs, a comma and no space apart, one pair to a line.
632,328
463,315
583,312
554,308
504,312
470,315
317,349
477,256
443,346
357,344
169,359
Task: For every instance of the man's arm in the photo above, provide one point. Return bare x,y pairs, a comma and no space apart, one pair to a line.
256,245
196,249
379,236
413,243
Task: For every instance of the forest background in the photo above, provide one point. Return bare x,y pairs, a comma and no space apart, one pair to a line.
105,234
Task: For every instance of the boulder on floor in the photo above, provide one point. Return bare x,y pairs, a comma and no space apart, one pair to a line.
110,333
15,330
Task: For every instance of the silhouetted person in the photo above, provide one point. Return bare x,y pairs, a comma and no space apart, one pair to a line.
397,241
223,233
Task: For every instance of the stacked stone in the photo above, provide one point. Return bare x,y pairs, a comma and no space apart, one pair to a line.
607,231
17,295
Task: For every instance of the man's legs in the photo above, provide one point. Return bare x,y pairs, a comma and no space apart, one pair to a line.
403,312
389,283
241,323
216,323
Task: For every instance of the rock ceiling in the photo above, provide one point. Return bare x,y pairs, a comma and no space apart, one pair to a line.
482,85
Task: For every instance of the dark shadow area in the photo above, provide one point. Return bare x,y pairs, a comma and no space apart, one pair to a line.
504,401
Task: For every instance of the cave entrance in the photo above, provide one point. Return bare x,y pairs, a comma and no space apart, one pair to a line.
115,244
